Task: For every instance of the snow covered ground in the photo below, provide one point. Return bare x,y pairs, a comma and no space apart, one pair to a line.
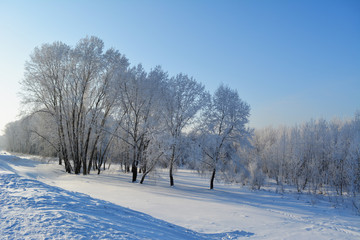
39,200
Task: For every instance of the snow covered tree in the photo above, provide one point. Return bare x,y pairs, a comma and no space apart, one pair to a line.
43,87
184,98
72,85
316,156
223,127
140,101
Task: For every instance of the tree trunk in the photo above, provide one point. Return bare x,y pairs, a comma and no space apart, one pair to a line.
171,174
84,165
212,179
171,167
134,172
77,165
67,163
90,165
60,160
143,178
68,167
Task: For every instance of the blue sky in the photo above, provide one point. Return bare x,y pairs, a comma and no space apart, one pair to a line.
290,60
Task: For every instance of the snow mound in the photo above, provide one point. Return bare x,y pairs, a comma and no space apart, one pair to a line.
33,210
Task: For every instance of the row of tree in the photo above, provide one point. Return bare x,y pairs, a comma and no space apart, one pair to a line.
317,156
88,106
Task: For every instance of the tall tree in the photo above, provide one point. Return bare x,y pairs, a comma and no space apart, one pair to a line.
185,97
74,86
46,74
223,127
140,99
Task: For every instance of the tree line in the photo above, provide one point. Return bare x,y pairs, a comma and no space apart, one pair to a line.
89,106
316,156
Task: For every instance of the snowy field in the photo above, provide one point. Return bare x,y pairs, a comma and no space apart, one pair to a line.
40,201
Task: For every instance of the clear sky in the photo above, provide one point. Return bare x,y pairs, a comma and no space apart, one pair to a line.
290,60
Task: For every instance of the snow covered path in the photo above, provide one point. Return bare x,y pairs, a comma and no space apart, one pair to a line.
237,211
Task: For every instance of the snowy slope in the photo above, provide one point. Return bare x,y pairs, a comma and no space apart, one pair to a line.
33,210
199,211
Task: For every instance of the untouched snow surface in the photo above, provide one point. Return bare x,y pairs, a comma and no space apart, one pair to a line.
40,201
